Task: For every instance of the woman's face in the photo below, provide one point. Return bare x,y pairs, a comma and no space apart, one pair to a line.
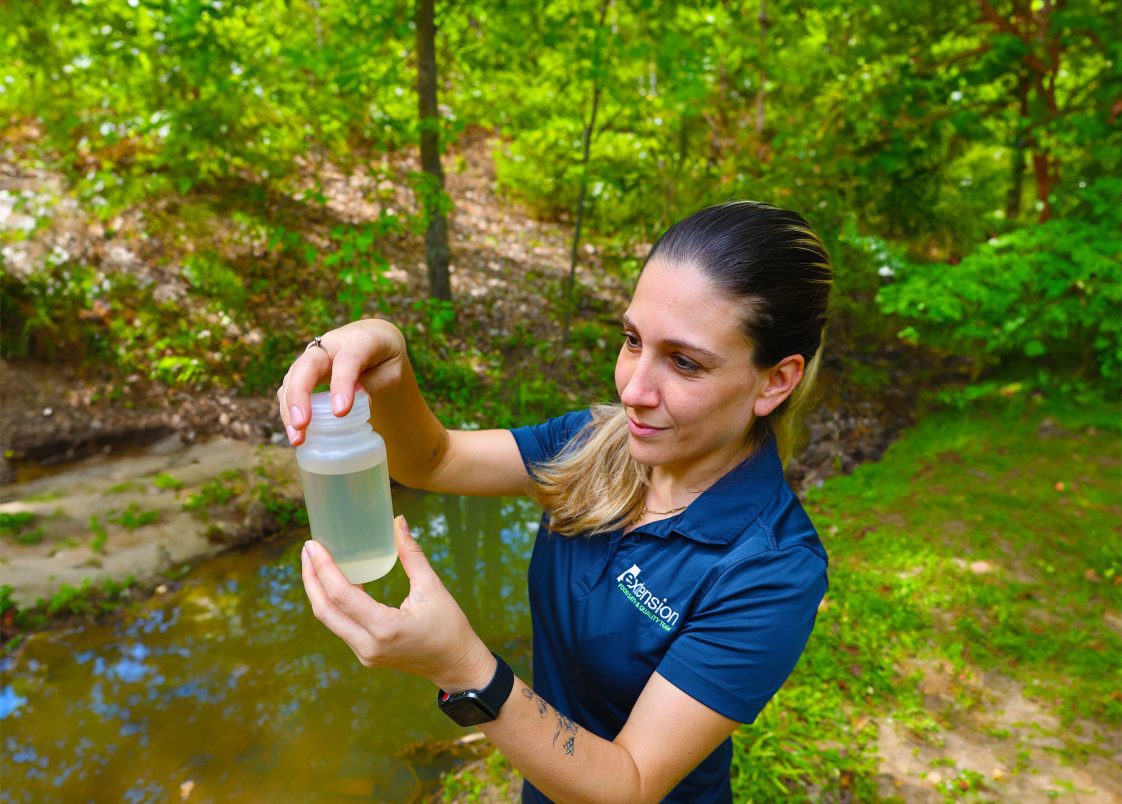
685,374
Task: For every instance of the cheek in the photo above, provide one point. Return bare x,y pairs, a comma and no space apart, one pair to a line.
724,409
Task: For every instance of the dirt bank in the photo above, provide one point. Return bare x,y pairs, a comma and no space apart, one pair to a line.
147,513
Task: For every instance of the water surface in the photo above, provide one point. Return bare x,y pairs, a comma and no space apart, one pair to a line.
227,689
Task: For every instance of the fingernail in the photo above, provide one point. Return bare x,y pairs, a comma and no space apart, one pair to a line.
297,414
291,433
304,554
310,549
338,403
404,525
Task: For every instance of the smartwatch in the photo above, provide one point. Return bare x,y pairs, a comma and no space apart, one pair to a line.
472,707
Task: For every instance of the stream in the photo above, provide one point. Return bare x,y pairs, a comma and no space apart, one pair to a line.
226,688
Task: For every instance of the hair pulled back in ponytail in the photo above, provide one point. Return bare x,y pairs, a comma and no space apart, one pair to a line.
774,263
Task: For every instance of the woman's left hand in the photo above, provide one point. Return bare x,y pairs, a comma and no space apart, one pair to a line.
428,635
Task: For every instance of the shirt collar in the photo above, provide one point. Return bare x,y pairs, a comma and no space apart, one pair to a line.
723,511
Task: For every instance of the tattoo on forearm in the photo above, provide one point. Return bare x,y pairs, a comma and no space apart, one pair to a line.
567,730
567,726
543,707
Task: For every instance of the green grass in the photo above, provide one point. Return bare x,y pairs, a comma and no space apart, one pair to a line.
100,534
216,493
131,518
986,542
18,526
11,524
166,482
85,600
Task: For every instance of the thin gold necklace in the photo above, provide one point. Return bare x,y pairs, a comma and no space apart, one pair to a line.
663,513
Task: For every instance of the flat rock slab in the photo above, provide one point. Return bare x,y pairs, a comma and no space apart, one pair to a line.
140,515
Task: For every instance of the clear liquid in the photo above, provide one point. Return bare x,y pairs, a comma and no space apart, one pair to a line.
352,516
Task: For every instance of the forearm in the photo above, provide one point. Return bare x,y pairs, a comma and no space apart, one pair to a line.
415,438
561,758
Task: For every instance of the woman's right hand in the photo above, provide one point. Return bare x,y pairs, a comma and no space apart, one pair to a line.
366,354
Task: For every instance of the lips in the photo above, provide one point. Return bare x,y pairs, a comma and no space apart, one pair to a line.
642,430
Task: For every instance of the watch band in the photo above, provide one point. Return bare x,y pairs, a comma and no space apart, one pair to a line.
472,707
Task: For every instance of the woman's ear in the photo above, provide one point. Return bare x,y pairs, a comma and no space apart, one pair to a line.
779,381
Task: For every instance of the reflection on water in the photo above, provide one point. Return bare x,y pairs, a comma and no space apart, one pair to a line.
228,689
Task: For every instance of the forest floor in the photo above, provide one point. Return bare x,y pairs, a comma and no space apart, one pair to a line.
968,646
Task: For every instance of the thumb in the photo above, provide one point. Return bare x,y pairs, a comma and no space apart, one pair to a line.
412,557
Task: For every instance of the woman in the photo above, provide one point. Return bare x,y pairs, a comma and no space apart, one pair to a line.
675,578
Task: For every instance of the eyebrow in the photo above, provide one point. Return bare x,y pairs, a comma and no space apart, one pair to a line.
713,357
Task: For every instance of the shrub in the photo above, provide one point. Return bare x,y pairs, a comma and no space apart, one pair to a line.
1041,297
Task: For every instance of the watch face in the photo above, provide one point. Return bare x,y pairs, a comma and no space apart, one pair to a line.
467,711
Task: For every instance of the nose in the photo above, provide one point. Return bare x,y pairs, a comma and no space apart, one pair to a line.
639,389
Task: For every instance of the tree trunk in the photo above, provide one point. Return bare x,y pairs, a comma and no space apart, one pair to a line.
596,88
1017,163
1040,65
436,235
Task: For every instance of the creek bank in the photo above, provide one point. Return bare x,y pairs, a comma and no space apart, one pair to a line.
143,515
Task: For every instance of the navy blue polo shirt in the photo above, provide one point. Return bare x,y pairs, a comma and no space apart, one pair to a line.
719,600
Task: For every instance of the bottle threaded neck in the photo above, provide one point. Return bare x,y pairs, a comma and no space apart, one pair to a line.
325,422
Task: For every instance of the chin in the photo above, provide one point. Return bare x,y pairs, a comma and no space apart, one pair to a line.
647,455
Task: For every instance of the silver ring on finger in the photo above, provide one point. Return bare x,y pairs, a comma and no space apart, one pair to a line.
318,341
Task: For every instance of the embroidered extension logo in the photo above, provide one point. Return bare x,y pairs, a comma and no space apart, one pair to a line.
637,592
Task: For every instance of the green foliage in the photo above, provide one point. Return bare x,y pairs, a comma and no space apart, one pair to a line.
215,280
18,527
84,600
40,314
1045,296
216,493
140,99
287,512
487,780
100,534
6,602
10,524
166,482
132,517
359,267
913,123
30,537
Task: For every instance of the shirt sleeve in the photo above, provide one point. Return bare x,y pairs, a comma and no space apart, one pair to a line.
746,635
541,442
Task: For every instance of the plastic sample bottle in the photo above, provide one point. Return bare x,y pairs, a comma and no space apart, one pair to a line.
347,489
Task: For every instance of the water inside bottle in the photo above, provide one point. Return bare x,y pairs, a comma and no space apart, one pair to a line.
352,516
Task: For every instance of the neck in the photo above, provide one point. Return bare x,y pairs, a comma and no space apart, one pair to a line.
672,485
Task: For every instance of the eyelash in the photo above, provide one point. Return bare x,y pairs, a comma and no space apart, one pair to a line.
685,365
682,364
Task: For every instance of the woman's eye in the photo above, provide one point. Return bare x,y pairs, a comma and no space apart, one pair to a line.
685,365
630,339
